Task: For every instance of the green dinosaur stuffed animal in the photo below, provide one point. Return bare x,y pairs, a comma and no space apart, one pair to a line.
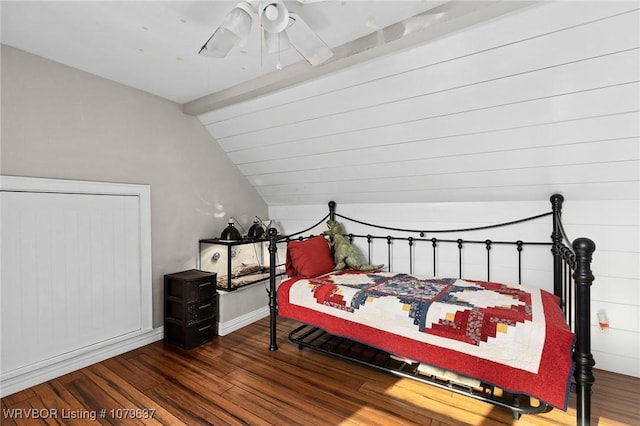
345,254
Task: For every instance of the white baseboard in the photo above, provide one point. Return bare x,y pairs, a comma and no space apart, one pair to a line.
24,378
228,327
32,375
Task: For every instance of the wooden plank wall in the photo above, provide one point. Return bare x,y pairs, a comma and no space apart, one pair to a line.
613,224
538,101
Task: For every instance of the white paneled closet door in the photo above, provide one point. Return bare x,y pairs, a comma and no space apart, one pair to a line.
72,275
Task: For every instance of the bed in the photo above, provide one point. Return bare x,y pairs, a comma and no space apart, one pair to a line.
512,345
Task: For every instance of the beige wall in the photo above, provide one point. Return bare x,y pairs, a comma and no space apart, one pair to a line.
59,122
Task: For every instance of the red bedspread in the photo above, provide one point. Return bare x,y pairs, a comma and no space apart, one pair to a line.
513,337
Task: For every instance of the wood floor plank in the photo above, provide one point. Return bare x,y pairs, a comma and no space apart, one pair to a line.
330,393
235,380
211,408
302,396
182,404
18,396
208,386
443,404
133,403
53,397
127,368
263,405
178,372
309,412
94,400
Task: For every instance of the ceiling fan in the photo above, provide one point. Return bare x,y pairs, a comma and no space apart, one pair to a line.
279,27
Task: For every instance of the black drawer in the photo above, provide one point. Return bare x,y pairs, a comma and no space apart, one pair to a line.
201,311
190,286
192,336
194,312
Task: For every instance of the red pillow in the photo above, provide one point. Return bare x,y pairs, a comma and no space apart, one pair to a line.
309,258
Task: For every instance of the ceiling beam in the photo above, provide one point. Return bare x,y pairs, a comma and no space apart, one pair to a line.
437,22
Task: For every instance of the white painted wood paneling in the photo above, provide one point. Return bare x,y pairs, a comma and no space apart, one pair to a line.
70,273
559,80
613,225
516,28
75,274
544,99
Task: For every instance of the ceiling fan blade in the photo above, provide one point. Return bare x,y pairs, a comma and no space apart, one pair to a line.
306,41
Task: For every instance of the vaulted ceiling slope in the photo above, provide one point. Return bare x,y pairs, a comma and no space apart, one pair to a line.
154,45
544,99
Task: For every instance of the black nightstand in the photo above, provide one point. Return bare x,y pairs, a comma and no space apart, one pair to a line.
190,308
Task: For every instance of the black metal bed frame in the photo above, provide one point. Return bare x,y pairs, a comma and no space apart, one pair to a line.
572,279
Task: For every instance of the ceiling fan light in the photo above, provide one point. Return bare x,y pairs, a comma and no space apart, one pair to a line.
271,12
274,16
238,22
307,42
275,43
219,44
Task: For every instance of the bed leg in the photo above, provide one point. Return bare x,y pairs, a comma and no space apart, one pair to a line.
583,374
516,402
273,299
556,239
273,346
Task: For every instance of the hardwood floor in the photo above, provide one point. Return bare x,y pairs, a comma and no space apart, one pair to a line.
236,380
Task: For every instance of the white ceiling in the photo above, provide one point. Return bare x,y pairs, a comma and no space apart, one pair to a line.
153,45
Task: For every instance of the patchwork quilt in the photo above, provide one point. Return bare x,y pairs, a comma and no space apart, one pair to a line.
513,337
